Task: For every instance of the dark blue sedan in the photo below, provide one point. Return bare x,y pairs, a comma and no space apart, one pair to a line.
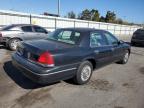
69,53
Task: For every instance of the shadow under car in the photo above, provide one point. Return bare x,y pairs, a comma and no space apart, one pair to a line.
20,79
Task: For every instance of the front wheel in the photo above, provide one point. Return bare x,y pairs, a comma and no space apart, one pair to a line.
125,58
84,73
12,44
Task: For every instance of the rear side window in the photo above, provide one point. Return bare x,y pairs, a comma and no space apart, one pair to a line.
39,29
66,36
8,27
27,29
97,39
140,31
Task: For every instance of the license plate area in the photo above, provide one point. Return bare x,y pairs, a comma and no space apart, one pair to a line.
23,52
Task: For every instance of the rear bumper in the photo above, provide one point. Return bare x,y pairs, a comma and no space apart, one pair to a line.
3,40
40,74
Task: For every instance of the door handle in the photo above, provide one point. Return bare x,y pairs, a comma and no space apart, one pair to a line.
21,33
112,49
96,51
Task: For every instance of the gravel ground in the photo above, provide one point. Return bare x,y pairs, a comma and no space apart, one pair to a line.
114,86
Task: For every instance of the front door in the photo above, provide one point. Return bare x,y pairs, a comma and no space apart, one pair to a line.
101,50
117,49
39,32
27,32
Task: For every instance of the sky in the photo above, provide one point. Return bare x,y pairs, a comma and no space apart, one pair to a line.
129,10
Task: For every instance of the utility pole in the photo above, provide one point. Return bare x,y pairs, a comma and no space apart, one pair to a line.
58,7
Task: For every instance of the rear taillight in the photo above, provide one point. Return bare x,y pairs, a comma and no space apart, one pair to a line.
46,59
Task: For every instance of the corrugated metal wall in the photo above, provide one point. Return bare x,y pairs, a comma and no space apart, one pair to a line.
51,23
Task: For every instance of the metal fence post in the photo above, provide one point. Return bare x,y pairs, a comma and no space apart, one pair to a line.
55,23
30,19
121,30
130,31
99,25
88,24
115,29
125,30
107,27
74,23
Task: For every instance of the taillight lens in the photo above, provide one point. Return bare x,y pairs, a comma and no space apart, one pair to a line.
46,59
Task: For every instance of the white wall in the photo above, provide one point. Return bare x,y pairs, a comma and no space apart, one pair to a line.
50,23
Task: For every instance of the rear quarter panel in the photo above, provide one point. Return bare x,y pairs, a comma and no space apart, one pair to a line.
12,34
72,56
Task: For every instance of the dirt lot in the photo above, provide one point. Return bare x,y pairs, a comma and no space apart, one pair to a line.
114,86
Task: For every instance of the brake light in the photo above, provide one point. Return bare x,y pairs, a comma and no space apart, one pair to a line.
46,59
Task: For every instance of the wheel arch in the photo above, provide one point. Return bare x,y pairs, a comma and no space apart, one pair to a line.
14,38
92,61
129,50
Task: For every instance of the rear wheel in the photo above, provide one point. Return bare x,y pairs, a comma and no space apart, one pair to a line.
12,44
84,73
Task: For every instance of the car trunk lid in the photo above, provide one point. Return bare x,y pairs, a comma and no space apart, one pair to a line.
33,49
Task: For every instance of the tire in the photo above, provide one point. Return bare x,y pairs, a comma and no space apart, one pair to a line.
133,43
125,58
84,73
12,44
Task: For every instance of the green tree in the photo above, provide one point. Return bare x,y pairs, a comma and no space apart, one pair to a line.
95,15
102,19
71,15
85,15
119,21
110,17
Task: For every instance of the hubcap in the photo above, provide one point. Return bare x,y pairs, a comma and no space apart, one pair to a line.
86,72
126,57
14,44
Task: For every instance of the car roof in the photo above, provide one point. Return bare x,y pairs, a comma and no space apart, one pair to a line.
80,29
15,25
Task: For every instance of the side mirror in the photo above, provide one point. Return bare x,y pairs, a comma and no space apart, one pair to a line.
46,32
120,42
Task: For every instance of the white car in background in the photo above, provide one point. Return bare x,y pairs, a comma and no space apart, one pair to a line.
11,35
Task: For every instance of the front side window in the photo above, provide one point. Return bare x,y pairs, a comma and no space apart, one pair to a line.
27,29
97,39
111,39
66,36
39,29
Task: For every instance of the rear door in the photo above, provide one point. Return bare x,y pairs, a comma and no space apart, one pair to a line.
117,49
102,51
27,32
39,32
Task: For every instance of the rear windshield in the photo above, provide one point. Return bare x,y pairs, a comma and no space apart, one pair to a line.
140,31
7,27
65,36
